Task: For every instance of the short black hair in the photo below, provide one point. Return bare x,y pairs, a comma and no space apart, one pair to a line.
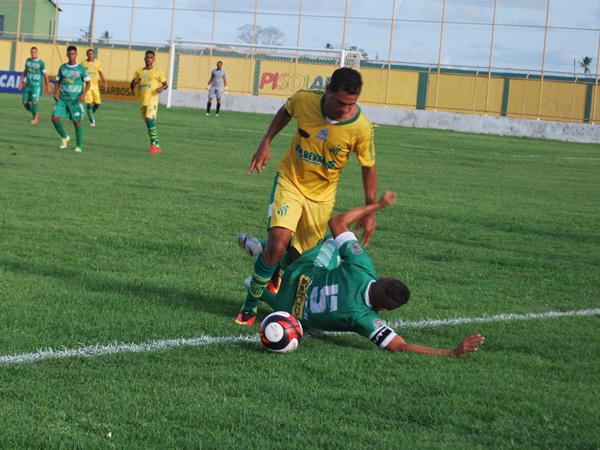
89,50
71,47
33,48
346,79
388,293
149,52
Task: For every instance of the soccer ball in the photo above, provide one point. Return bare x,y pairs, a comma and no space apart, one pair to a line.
280,332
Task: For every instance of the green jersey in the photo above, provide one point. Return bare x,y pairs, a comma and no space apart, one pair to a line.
34,70
72,81
327,289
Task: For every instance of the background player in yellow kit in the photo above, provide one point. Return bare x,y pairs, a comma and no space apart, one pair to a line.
95,72
152,81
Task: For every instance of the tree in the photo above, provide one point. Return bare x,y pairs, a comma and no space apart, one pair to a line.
585,65
105,38
264,36
85,34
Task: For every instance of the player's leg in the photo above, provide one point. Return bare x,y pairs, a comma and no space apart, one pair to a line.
60,111
26,98
150,117
77,113
264,268
285,210
218,94
209,103
34,98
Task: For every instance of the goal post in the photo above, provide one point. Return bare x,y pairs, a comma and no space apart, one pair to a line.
255,70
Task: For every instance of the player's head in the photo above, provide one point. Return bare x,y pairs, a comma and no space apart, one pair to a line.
90,54
34,52
149,58
72,53
388,293
342,94
219,64
347,80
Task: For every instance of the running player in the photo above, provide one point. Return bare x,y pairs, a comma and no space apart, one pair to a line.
72,84
31,83
330,126
217,84
152,82
94,70
334,287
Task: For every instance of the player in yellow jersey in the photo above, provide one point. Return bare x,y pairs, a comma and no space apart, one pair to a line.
95,72
330,126
152,81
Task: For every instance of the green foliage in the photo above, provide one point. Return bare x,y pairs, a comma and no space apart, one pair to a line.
114,245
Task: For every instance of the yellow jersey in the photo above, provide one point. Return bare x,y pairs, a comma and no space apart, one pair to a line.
92,69
321,149
150,81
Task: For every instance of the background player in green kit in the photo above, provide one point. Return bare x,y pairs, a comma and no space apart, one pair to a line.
31,83
72,83
334,287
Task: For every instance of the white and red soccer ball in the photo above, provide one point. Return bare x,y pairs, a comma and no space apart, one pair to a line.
280,332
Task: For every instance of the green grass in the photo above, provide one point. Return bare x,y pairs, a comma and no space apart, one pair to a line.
116,246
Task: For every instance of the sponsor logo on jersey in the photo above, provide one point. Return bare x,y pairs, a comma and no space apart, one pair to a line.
355,248
300,300
283,210
323,133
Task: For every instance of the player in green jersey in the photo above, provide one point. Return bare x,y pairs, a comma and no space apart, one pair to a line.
334,287
32,78
72,83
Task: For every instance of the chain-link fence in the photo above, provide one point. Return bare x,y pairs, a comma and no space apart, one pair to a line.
525,58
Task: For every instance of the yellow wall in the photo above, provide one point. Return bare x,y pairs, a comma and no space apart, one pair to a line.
402,91
465,94
5,53
561,100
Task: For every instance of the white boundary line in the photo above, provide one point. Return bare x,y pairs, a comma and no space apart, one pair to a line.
100,350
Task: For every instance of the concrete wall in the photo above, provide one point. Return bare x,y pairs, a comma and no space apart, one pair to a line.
503,126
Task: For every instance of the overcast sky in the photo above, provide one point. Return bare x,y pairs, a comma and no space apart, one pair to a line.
467,38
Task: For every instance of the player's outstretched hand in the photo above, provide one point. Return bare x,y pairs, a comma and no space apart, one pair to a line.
469,344
387,198
260,158
208,88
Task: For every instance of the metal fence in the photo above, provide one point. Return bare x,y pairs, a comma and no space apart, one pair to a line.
536,41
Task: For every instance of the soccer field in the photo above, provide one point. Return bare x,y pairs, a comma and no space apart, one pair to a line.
120,279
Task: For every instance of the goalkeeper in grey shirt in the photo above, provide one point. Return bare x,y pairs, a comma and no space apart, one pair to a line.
217,83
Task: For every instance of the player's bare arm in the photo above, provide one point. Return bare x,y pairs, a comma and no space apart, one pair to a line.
57,90
85,90
368,223
162,87
340,223
103,80
23,80
134,82
47,81
263,153
469,344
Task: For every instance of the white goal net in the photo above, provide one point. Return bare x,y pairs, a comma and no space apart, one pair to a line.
258,70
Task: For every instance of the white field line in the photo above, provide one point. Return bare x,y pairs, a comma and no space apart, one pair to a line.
566,157
100,350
